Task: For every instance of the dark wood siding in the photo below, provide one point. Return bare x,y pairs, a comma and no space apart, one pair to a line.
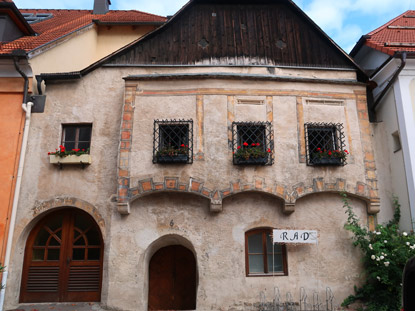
237,34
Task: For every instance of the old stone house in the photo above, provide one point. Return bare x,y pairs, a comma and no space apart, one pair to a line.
230,120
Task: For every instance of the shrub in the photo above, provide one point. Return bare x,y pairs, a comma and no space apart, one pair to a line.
385,253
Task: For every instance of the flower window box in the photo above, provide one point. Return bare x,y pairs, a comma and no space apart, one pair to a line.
252,143
173,141
325,144
84,159
62,156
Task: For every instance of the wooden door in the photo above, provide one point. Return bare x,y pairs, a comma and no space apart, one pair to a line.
172,279
63,259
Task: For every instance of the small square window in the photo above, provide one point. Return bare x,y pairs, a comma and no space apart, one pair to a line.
325,144
77,136
253,143
263,257
173,141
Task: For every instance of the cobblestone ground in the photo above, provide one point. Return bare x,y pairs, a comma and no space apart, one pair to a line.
89,306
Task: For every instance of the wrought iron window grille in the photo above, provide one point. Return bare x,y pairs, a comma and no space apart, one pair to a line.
325,144
173,141
252,143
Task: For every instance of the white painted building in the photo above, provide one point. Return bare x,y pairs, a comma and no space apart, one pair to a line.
387,54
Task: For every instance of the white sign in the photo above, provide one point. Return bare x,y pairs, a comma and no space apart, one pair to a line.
295,236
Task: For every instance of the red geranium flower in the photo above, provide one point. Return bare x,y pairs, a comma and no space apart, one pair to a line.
182,145
258,144
329,152
245,144
239,147
253,144
346,151
269,150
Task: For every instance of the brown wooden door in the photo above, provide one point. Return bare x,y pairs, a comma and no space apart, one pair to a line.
63,259
172,279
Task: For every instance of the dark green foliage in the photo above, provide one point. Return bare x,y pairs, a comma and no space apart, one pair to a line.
385,253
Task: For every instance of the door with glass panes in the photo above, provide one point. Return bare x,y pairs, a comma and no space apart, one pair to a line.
63,259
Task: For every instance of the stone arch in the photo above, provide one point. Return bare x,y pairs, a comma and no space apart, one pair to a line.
163,241
42,208
361,191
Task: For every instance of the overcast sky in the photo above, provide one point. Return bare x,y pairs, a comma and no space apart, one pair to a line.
343,20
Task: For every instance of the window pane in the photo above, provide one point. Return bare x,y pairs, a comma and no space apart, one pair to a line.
255,243
82,222
53,254
69,145
93,237
84,145
251,134
80,242
53,242
256,264
173,135
78,254
94,253
85,133
41,238
277,263
38,254
69,133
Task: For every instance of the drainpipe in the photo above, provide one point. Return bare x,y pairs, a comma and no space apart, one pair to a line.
391,82
27,107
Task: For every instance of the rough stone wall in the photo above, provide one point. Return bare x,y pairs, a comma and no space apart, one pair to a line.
212,202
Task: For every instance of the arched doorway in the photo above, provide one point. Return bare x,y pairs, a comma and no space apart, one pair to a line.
172,279
63,259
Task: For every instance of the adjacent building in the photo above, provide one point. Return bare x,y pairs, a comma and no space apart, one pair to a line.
232,119
387,54
35,41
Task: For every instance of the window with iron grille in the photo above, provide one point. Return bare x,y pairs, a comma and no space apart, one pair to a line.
173,141
76,136
325,144
252,143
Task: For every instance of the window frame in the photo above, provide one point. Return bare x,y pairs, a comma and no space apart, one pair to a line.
268,141
158,137
338,141
266,273
77,126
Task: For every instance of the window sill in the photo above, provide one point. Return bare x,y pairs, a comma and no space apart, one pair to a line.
83,159
266,274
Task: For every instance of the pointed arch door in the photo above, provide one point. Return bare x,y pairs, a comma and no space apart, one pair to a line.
63,259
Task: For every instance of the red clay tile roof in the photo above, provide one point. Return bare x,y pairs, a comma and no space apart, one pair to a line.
65,22
395,36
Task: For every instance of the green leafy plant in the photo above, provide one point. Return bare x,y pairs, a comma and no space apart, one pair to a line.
253,151
62,152
173,151
385,253
330,154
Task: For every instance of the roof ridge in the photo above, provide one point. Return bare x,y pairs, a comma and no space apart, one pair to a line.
151,14
387,24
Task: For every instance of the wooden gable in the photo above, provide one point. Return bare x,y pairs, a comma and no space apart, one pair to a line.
230,32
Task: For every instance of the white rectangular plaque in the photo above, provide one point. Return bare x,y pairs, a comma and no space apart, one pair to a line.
295,236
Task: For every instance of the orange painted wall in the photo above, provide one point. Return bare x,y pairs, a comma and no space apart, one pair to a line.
12,120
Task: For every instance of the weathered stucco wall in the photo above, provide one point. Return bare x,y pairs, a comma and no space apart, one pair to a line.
219,247
217,239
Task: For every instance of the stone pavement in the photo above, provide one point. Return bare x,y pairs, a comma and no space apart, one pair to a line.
78,306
